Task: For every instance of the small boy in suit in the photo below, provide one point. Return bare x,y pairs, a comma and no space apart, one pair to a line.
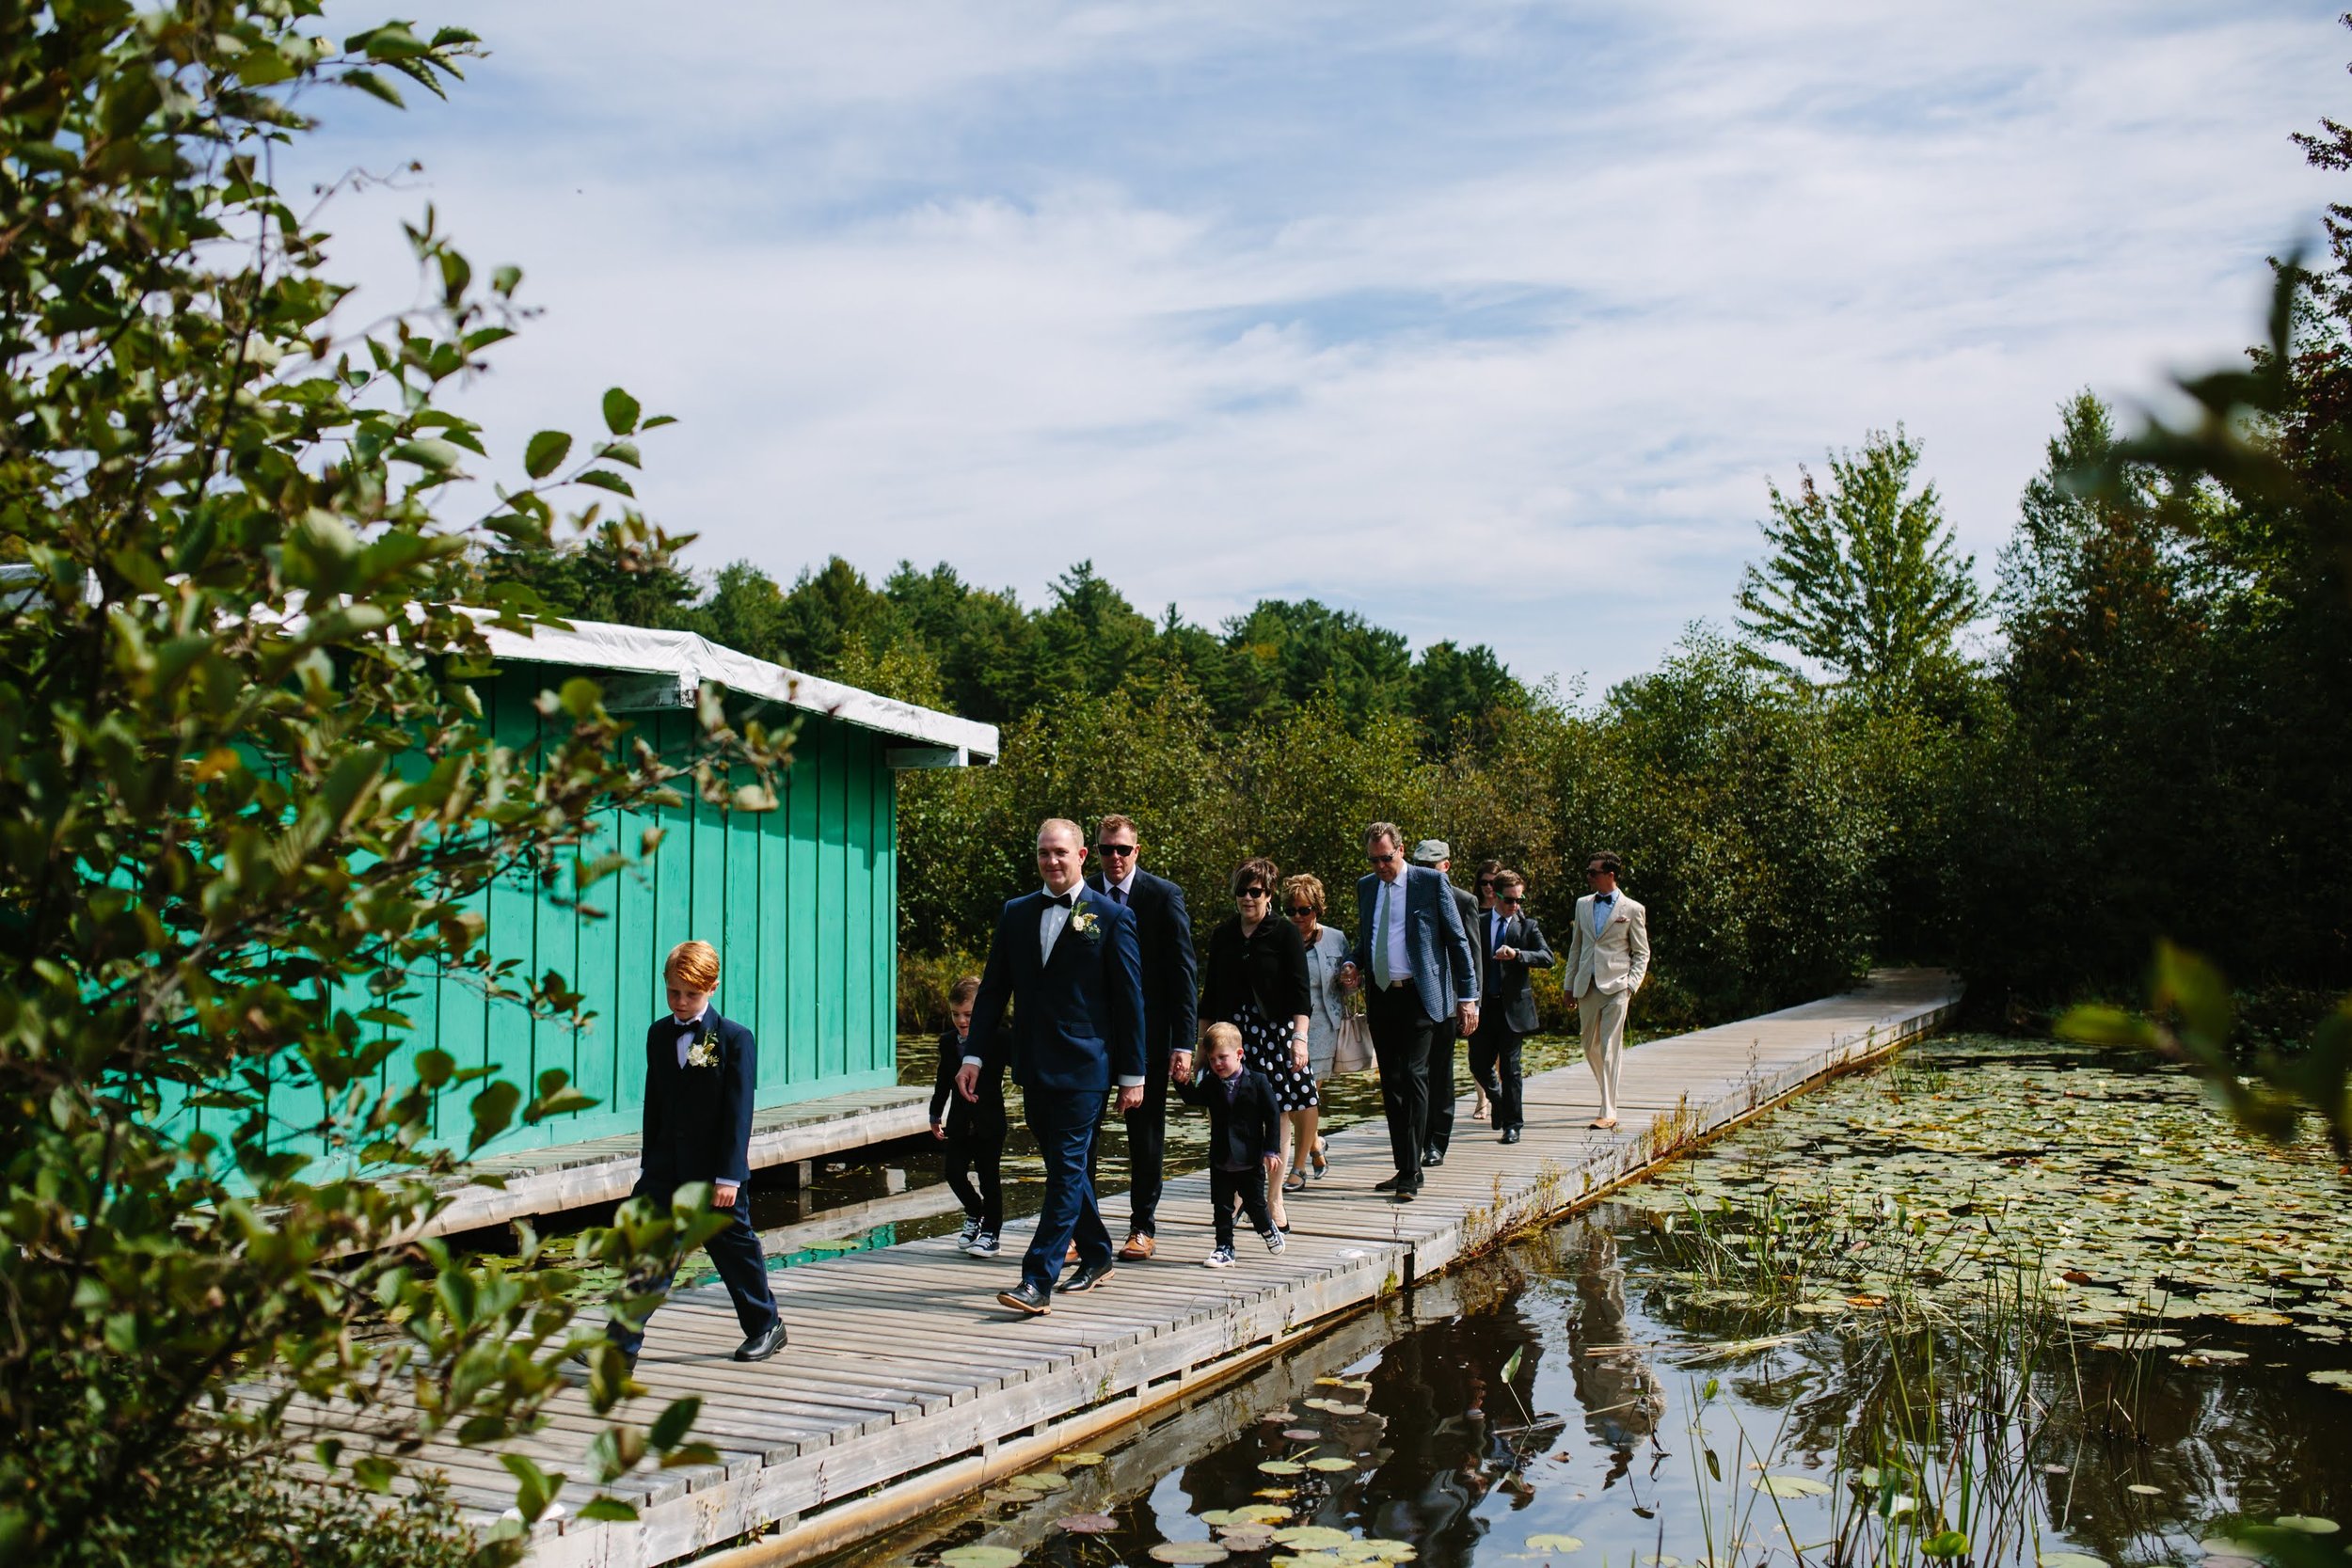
973,1132
1245,1138
700,1070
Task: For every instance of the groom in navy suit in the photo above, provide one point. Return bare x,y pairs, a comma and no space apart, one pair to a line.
1067,960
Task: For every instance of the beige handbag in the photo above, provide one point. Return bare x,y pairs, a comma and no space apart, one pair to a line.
1353,1053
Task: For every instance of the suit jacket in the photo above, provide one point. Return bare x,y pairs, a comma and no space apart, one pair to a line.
949,1109
1618,958
698,1119
1170,977
1508,997
1435,943
1077,1013
1243,1133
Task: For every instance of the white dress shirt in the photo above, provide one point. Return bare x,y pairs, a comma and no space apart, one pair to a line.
1051,920
692,1027
1125,886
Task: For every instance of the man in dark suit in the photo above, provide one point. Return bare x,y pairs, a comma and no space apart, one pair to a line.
1171,997
1511,943
700,1070
1413,955
1066,959
1437,1132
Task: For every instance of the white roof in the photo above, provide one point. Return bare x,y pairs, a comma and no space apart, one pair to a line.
600,645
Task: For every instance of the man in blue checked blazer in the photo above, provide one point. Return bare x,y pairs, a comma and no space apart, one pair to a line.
1067,960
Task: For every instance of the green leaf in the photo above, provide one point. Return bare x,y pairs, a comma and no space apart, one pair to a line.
607,1509
534,1488
620,412
432,453
375,86
605,479
545,452
671,1426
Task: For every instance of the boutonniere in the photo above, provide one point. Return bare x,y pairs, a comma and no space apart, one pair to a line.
705,1051
1087,923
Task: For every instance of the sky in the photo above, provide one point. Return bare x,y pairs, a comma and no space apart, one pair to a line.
1490,321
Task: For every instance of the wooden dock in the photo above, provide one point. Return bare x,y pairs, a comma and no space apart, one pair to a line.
907,1385
602,1170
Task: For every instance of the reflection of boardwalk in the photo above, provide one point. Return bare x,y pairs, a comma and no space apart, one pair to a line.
904,1376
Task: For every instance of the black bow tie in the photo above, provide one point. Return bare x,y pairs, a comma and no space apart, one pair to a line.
1064,901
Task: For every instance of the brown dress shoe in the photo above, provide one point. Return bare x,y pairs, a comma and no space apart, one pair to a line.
1072,1256
1139,1247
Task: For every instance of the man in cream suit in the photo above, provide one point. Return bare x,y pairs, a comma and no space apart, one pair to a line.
1608,959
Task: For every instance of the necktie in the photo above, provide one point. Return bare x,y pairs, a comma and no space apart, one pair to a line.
1118,895
1380,937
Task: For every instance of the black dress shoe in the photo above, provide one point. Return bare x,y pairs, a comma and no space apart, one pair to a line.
1434,1157
1027,1298
762,1345
1087,1276
1391,1184
1405,1194
1510,1136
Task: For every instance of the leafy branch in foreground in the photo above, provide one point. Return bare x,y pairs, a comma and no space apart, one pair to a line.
247,791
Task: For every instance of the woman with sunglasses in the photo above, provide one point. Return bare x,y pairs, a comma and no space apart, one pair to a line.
1255,978
1326,1004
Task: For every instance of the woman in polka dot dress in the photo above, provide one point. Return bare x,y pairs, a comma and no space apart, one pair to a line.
1255,980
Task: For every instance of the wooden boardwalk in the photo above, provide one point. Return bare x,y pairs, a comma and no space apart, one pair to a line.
906,1386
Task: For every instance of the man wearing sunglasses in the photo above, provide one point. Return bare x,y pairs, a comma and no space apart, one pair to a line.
1512,944
1413,958
1170,996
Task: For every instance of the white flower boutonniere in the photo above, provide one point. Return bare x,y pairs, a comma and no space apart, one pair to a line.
1087,923
705,1051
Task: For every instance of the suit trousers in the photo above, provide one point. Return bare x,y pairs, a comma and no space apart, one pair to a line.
1494,1061
1244,1187
1063,1125
1401,1037
974,1154
1437,1132
735,1252
1601,1017
1147,1146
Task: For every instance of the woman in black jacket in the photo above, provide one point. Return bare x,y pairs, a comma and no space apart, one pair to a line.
1255,980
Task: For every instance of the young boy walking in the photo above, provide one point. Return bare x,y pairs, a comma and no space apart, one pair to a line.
700,1070
972,1132
1245,1139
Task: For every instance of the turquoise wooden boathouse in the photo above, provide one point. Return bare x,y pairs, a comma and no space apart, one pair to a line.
800,901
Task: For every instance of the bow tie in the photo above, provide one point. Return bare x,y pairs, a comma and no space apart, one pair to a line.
1064,901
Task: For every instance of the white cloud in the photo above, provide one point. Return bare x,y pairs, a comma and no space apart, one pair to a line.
1489,321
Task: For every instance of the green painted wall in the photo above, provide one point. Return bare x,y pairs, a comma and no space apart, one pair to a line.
801,902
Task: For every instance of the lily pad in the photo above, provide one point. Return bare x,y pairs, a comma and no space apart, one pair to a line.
1259,1513
979,1557
1038,1480
1087,1524
1304,1560
1197,1552
1281,1467
1333,1465
2334,1378
1080,1459
1313,1538
1791,1486
1378,1549
2308,1523
2070,1560
1554,1544
1246,1538
2145,1489
1303,1435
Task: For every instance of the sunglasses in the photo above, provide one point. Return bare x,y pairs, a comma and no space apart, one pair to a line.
1297,909
1251,893
1383,860
1115,848
1509,898
1485,884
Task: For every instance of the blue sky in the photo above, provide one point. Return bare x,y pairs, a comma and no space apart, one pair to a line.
1488,320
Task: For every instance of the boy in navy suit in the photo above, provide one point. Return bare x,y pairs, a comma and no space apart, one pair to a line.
971,1134
1245,1138
700,1070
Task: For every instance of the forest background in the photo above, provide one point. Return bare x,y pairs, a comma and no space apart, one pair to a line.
2139,732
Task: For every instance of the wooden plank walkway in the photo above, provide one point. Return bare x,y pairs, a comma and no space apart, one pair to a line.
602,1170
906,1384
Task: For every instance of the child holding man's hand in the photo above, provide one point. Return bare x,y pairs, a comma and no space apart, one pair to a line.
1245,1138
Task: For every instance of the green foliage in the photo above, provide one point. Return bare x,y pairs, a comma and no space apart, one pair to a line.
246,793
1865,578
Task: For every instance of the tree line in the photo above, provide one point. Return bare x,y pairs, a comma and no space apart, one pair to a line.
2138,730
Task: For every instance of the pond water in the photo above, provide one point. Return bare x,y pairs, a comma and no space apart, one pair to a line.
2042,1300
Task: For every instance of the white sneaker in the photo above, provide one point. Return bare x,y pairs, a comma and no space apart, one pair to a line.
971,1228
1222,1258
983,1245
1274,1240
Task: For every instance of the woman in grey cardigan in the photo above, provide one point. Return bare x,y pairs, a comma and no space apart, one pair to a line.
1327,950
